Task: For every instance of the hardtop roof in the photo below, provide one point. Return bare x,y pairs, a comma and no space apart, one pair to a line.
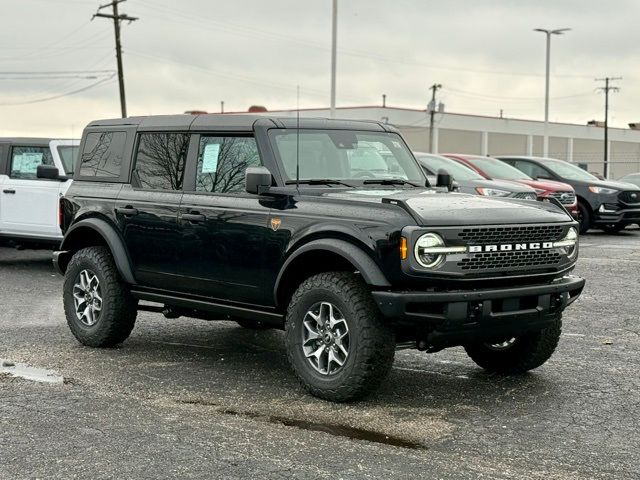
236,122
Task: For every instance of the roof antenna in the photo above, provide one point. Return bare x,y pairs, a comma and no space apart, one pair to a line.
298,138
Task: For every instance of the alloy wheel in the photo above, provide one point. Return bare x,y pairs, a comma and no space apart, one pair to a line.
87,298
325,338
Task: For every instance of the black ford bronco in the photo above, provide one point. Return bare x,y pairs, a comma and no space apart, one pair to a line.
326,229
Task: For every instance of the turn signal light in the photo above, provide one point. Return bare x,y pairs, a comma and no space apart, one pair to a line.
403,248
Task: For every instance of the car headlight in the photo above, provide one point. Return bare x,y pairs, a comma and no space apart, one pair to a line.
430,250
492,192
606,191
569,243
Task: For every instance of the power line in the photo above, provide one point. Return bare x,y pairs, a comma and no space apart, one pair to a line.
54,97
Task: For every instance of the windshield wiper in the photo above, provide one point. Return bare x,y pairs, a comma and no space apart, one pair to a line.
390,181
318,181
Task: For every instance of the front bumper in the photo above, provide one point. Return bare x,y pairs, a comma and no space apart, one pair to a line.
618,215
456,317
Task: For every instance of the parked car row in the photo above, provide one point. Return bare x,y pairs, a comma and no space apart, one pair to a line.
608,205
29,202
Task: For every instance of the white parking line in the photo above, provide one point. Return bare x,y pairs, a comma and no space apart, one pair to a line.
418,370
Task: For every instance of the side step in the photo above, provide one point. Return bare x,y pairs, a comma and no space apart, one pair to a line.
205,306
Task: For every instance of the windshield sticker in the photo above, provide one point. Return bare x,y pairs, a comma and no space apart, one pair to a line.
27,162
210,158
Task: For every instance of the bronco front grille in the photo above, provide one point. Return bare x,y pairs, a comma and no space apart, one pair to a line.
629,197
565,198
530,233
519,259
525,195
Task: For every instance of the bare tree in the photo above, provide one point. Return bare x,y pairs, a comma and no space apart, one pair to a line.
161,159
235,155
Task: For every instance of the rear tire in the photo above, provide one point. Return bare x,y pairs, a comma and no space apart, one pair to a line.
584,217
100,310
525,352
349,355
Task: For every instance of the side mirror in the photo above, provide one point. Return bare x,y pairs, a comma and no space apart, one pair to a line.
49,172
444,179
257,180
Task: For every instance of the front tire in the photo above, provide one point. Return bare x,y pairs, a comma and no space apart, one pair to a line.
100,310
584,218
337,343
519,354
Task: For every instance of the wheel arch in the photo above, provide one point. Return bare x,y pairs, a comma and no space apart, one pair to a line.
91,232
323,255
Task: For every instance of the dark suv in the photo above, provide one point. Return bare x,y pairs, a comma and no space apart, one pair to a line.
604,204
327,229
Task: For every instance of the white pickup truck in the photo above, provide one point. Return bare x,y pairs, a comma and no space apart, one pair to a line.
29,205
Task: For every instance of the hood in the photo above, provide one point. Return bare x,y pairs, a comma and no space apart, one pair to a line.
549,185
435,207
614,184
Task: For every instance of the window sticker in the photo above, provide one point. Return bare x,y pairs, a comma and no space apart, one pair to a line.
27,162
210,158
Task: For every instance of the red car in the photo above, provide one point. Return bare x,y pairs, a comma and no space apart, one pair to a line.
494,169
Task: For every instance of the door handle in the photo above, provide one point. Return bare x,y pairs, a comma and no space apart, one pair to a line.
194,217
127,211
8,191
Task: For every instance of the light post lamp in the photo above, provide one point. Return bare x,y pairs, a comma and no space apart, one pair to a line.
548,33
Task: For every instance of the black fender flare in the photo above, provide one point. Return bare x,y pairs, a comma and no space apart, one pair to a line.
362,262
113,240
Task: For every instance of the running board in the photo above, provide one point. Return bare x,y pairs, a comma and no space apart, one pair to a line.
206,306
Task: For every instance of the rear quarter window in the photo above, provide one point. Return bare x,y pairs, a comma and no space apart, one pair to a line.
103,155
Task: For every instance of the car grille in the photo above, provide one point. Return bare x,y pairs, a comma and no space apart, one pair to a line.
565,198
519,259
629,197
525,195
529,233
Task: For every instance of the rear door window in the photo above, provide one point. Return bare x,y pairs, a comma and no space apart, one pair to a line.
25,161
160,161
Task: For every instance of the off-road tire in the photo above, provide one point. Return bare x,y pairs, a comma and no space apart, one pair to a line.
372,342
119,308
584,220
529,351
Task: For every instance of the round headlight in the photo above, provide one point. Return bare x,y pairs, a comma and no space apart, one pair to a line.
423,256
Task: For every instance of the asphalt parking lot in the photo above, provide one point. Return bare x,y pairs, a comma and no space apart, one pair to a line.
193,399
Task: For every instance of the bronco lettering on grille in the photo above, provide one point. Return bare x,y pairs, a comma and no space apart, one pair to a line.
507,247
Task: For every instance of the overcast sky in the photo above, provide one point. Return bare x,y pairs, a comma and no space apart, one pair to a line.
192,54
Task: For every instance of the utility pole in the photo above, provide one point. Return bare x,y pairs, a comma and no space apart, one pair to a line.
117,18
334,42
222,106
606,89
432,112
548,33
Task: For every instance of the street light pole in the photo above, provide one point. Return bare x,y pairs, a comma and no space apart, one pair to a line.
334,41
548,33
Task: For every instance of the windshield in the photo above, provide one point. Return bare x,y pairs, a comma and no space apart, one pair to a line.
497,169
459,172
345,155
68,155
566,170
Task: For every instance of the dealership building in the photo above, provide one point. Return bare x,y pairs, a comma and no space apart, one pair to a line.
473,134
